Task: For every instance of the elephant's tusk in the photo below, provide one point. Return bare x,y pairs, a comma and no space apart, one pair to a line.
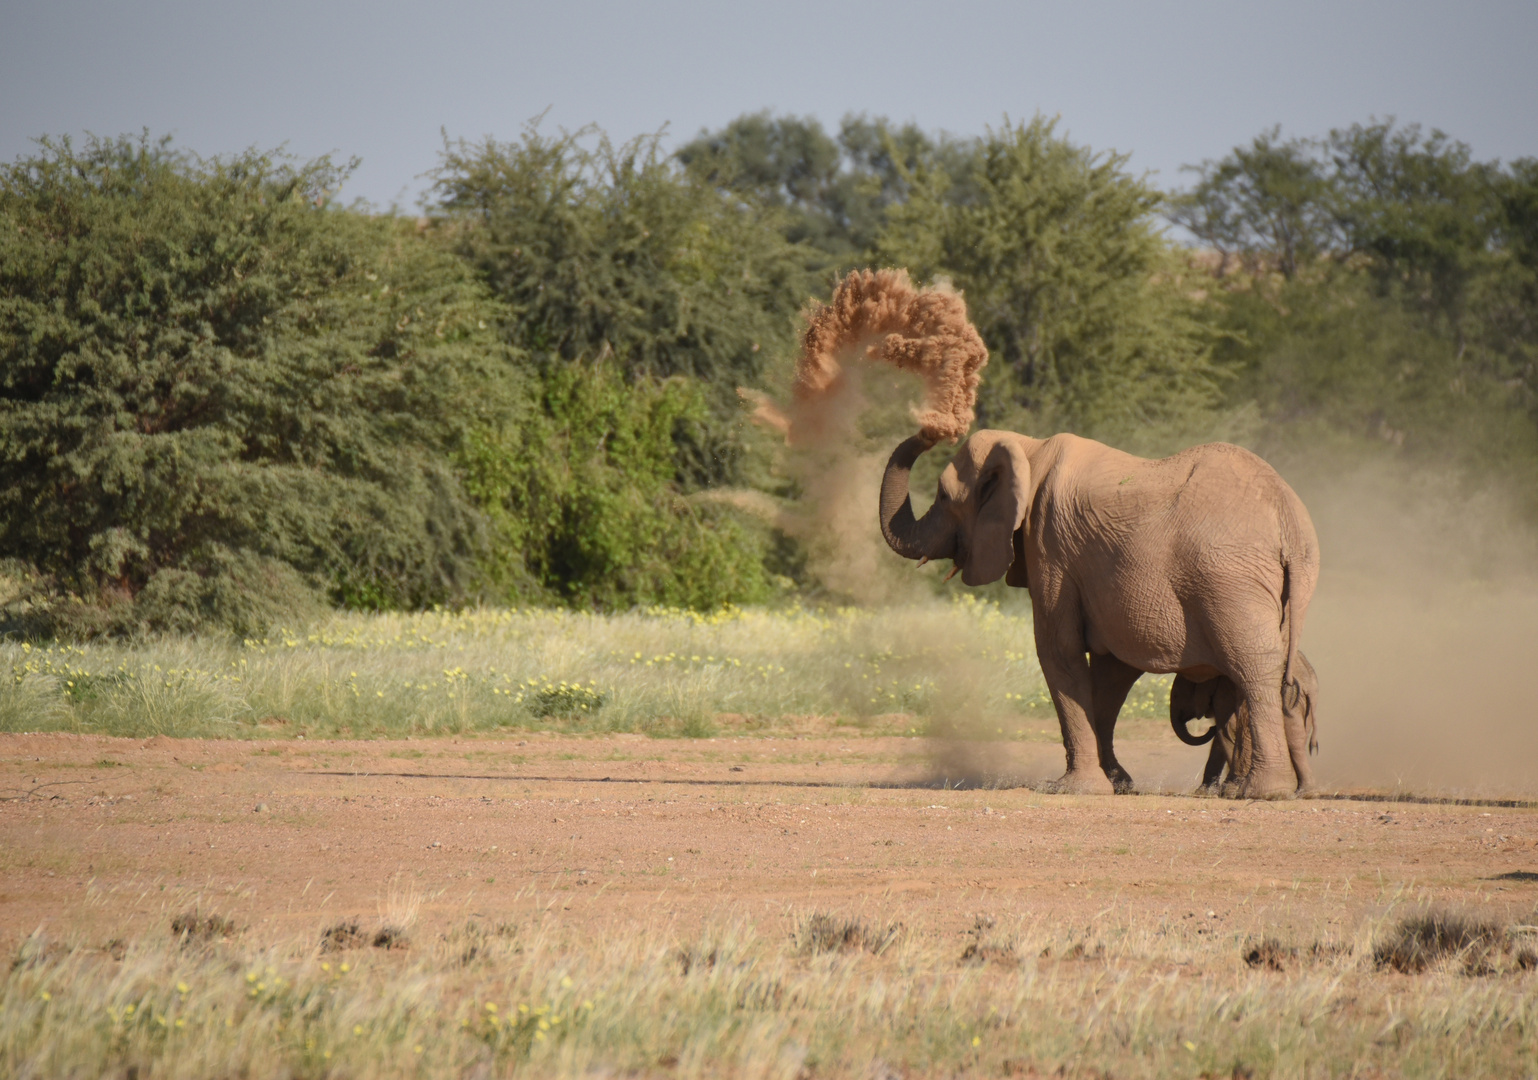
922,561
954,571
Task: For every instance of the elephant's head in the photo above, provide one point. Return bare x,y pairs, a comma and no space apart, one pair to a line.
984,496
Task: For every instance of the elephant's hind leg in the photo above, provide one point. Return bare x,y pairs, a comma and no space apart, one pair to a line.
1270,772
1111,679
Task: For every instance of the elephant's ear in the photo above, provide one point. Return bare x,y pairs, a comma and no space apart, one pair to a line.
1003,491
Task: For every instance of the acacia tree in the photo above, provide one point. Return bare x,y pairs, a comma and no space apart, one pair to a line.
1271,197
830,193
1416,329
643,298
1070,284
223,401
606,253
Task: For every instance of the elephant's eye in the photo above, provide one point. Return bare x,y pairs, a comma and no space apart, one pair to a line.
985,492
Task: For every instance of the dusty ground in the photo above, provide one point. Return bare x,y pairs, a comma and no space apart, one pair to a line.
110,838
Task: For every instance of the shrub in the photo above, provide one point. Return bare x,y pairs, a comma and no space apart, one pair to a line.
221,399
584,504
608,253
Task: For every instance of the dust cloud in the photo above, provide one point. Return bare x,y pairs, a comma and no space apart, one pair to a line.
880,315
1424,630
879,344
1424,626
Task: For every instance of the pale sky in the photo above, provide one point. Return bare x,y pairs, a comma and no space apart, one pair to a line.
1169,84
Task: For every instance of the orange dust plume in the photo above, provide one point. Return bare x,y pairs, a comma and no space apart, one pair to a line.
881,315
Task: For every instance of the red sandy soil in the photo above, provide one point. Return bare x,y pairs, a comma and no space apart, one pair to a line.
104,838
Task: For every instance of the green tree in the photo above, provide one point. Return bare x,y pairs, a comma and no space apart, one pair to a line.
831,194
1077,294
222,400
584,505
1270,198
612,252
1418,332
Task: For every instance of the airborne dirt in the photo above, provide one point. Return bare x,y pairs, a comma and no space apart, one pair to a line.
104,839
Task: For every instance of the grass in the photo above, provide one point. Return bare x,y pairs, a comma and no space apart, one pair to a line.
1139,998
964,668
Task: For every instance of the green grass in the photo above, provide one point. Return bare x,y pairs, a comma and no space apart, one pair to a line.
964,668
1142,998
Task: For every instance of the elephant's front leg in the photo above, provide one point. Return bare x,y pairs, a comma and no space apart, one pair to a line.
1060,648
1111,680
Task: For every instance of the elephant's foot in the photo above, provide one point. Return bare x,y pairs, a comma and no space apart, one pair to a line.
1277,783
1082,782
1121,780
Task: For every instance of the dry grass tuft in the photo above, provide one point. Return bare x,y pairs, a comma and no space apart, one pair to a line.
345,935
881,315
821,932
390,937
349,934
191,928
1270,954
988,946
1443,939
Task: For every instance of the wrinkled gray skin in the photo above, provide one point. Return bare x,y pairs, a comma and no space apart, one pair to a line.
1200,564
1217,699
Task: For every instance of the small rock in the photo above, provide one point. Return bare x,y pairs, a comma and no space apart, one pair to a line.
987,809
1212,914
435,844
260,808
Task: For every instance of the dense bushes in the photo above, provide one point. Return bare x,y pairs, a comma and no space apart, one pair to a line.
584,507
609,255
1378,286
220,397
225,401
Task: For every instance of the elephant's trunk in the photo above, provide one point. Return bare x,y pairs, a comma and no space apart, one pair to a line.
1183,731
930,537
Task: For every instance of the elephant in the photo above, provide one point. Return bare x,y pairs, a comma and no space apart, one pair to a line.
1200,564
1218,700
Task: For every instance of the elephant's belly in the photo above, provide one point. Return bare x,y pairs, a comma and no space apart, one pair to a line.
1156,637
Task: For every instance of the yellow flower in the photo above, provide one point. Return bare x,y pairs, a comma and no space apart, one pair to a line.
46,996
181,988
357,1029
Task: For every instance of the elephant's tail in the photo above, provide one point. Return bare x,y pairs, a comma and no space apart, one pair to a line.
1300,573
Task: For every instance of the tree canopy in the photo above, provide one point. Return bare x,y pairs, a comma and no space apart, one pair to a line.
226,400
220,396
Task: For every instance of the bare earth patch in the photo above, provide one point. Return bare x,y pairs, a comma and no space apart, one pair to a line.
106,841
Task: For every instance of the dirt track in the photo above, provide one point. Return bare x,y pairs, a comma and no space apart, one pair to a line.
111,837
